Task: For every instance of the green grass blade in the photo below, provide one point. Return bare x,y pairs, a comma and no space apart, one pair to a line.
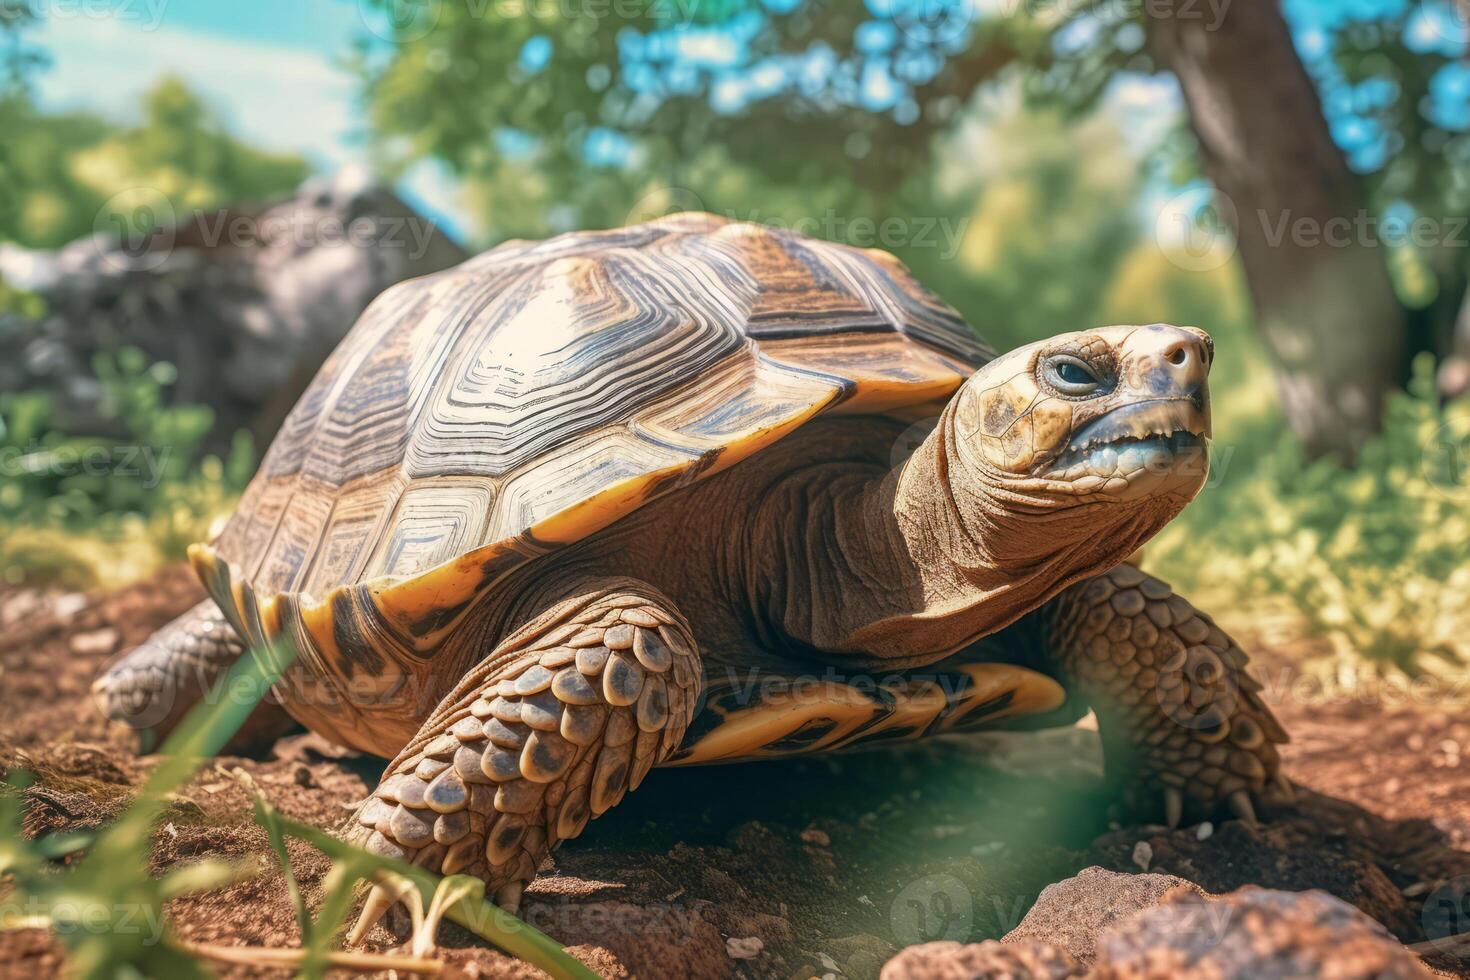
486,920
267,817
339,886
60,845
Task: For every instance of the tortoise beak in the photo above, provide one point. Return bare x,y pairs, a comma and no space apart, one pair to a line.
1156,418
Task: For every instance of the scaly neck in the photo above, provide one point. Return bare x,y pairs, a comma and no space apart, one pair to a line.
910,565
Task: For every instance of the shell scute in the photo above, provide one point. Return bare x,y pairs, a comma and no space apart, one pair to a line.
474,420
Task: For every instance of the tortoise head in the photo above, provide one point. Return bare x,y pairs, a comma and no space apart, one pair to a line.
1114,415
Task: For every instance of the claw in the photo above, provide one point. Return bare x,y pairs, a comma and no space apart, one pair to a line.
389,890
1288,791
446,896
379,901
1173,807
508,897
1241,806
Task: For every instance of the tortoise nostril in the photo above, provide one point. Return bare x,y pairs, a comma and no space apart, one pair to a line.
1178,355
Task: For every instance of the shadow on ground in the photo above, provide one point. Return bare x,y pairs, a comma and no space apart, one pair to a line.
780,869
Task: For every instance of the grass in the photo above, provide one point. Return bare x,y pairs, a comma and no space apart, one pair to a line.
97,898
83,511
1373,556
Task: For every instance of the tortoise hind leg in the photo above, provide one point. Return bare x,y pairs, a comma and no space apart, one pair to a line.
1178,713
151,687
551,729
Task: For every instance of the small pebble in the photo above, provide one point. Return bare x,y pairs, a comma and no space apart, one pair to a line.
1204,830
744,947
1143,853
94,643
302,776
66,606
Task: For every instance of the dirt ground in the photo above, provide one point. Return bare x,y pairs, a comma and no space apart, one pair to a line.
831,863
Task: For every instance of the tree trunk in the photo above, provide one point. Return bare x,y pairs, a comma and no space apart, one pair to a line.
1323,299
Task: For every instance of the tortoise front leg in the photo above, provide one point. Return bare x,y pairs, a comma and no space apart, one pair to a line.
1177,710
552,729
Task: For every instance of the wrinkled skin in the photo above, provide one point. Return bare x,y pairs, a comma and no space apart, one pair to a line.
1030,482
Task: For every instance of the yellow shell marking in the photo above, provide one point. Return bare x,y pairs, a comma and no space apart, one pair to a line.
768,715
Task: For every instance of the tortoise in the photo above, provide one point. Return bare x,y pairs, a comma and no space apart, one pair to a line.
699,491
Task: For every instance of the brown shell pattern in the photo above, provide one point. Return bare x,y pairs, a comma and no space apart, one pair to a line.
476,419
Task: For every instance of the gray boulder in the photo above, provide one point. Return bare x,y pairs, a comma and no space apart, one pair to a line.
246,302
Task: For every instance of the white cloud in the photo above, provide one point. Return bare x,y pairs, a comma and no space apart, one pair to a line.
274,96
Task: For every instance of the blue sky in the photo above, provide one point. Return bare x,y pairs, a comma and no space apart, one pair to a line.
269,66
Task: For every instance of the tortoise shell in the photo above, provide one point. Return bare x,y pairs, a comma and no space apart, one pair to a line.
478,418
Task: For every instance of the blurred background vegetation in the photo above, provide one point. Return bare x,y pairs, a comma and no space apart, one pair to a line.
1041,165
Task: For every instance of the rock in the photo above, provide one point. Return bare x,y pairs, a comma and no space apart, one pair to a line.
1157,927
25,605
95,643
990,960
815,837
1250,933
245,302
1071,914
744,947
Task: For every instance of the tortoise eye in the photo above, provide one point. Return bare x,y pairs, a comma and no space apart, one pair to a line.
1071,375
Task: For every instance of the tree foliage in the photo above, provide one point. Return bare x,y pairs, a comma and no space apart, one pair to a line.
61,170
594,103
